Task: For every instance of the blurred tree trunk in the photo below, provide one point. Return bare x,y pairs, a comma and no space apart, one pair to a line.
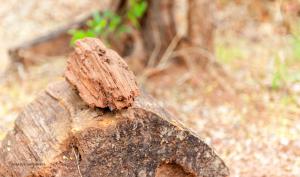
172,25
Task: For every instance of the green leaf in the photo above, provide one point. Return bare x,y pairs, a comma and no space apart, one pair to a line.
77,34
108,14
139,9
276,81
90,33
89,23
132,3
114,23
123,29
96,17
132,18
280,75
99,28
103,24
296,47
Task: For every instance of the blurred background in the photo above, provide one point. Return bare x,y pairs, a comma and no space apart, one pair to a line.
244,102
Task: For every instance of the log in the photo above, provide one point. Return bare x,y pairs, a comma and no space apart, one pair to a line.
59,135
56,42
101,75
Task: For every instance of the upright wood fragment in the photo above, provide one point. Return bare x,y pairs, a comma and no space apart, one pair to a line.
142,141
101,75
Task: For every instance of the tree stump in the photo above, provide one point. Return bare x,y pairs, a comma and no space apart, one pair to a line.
59,135
62,133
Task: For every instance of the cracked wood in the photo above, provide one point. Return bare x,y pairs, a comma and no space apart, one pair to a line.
139,141
101,76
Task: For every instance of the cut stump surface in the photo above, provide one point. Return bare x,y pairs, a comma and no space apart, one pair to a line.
59,135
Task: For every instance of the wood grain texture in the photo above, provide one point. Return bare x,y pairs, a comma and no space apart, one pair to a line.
101,75
123,143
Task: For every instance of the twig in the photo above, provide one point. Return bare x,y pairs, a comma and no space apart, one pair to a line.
77,161
227,87
157,47
199,50
212,60
181,52
168,51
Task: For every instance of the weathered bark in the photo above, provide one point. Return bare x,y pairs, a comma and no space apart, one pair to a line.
101,75
59,135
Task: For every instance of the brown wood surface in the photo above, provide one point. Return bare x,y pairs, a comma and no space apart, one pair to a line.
101,75
59,135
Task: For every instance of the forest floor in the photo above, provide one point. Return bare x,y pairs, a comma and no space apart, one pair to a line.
247,109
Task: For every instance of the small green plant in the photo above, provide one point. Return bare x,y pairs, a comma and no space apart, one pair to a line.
286,72
108,22
295,39
296,47
227,54
136,11
283,74
279,76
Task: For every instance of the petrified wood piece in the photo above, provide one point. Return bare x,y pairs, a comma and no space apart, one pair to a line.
101,75
59,135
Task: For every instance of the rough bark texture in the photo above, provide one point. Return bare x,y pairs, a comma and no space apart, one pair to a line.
101,75
59,135
172,170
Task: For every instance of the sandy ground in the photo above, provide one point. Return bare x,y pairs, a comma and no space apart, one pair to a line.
254,128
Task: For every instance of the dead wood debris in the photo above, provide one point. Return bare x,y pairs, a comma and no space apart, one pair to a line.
101,76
